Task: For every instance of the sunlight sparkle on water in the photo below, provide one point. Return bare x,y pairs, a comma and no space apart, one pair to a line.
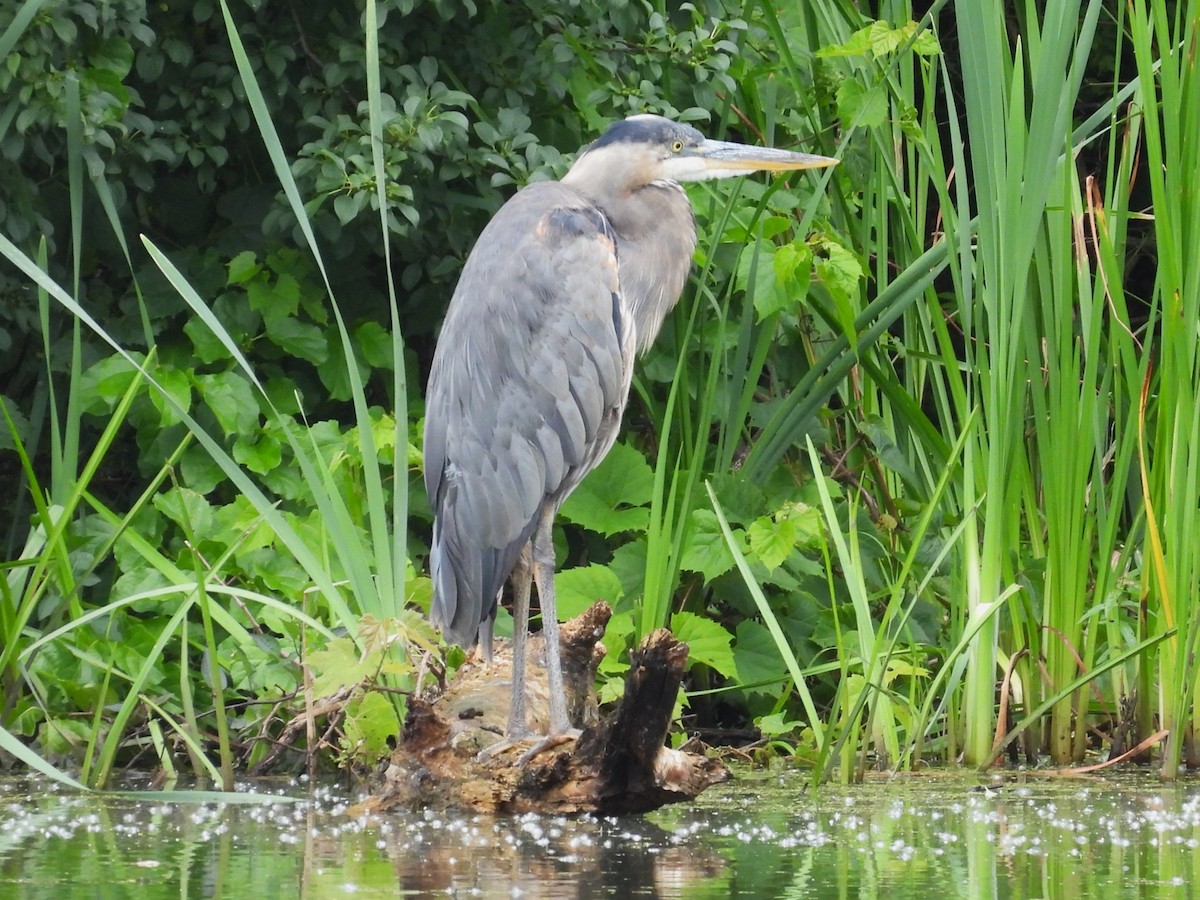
898,839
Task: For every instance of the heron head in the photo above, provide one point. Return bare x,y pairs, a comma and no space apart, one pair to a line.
643,149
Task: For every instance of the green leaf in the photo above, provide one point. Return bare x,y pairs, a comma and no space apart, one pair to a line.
771,541
64,736
756,276
926,44
205,345
420,592
338,666
114,55
757,657
777,725
231,400
858,44
243,267
706,551
104,383
302,339
860,106
880,38
708,642
370,726
199,469
278,572
841,272
177,385
20,425
375,344
275,301
577,589
793,269
346,206
741,498
188,509
613,497
902,668
258,452
335,373
64,29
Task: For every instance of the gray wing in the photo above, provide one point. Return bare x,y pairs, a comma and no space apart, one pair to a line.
528,383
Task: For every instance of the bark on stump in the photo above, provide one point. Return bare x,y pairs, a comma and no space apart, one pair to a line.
618,764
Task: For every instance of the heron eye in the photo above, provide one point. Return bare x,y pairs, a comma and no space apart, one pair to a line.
676,146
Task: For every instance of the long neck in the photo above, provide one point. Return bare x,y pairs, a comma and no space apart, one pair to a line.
656,237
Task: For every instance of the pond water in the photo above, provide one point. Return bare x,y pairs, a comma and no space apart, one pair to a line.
762,835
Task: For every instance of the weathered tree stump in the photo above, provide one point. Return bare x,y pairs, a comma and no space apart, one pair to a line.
618,764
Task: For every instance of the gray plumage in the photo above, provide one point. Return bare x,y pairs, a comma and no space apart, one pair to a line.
532,369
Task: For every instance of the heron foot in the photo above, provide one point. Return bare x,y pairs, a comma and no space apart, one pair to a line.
549,742
542,743
499,747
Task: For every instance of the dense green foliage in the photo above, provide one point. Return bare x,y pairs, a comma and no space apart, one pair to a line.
915,429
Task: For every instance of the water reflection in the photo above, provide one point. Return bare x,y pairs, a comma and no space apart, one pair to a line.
760,836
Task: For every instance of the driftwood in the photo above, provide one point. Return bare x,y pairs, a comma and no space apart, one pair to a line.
617,764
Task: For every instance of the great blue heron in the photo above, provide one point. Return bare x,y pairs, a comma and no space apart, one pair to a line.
567,282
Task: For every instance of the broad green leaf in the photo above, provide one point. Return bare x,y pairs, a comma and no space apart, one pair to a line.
241,518
861,106
873,38
339,665
841,272
241,322
902,668
178,386
370,726
114,56
375,344
771,541
63,736
383,432
880,38
274,301
297,338
279,573
577,589
188,508
206,346
281,392
231,399
756,276
259,452
200,470
793,270
742,499
757,658
706,551
420,591
614,495
777,725
708,642
346,206
335,373
243,267
807,518
104,383
629,565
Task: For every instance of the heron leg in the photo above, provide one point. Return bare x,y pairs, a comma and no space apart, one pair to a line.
536,564
543,573
522,578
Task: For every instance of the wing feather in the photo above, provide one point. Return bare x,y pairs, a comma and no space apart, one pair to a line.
528,384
